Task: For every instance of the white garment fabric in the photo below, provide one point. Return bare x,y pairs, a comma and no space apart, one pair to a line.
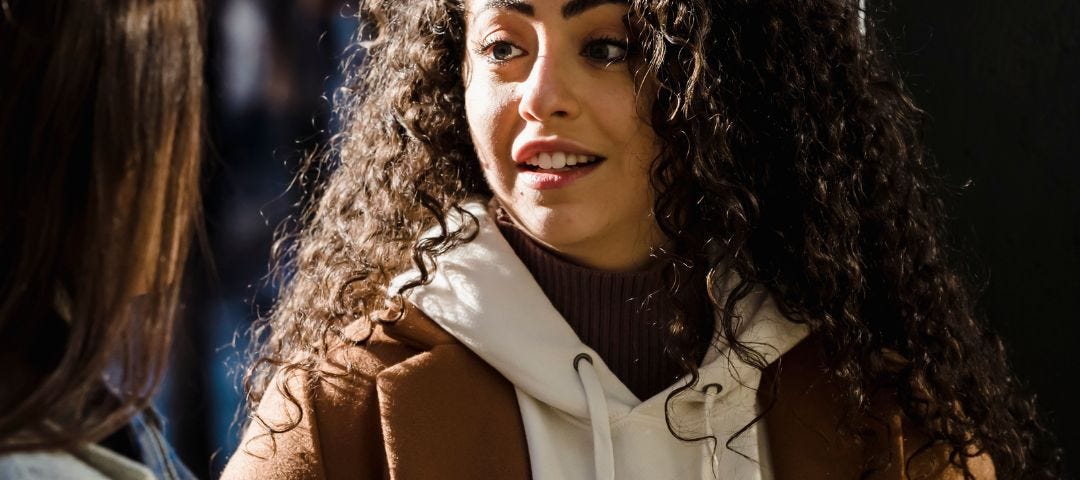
85,462
581,421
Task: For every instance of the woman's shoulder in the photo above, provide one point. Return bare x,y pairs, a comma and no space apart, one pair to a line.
362,351
803,408
367,348
86,462
305,416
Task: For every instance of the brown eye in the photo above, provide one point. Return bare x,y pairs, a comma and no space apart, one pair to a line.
502,51
605,51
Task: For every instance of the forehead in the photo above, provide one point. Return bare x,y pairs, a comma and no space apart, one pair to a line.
567,8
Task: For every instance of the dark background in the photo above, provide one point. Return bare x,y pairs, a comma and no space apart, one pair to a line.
1001,82
998,78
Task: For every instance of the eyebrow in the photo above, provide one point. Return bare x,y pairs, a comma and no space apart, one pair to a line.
570,9
512,5
576,7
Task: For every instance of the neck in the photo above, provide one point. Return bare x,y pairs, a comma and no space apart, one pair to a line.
629,251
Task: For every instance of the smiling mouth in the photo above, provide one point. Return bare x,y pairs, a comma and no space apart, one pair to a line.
559,161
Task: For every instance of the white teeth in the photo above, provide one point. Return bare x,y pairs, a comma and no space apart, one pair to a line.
545,160
557,160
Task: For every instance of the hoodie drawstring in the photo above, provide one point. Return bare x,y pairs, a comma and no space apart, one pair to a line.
709,463
603,450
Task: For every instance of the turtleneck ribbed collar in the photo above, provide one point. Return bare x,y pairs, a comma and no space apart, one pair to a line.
620,315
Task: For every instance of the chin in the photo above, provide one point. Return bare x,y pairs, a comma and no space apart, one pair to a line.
560,227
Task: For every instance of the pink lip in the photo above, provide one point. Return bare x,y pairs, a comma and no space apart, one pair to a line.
549,179
532,148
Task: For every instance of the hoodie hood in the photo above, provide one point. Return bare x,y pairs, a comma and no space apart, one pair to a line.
484,296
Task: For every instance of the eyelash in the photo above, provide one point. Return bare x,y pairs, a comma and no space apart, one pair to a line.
483,49
606,40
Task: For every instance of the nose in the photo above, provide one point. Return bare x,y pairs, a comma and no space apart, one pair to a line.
548,92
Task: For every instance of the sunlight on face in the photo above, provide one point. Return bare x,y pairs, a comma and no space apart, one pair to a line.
558,125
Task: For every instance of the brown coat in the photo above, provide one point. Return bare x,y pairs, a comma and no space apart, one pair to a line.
414,403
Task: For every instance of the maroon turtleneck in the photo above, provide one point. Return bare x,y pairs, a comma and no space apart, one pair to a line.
619,315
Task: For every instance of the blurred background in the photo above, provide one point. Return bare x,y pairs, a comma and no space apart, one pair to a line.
998,78
271,67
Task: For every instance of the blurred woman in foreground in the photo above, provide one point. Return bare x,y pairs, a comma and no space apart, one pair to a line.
100,117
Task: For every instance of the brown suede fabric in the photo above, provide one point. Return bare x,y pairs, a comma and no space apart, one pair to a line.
805,437
413,403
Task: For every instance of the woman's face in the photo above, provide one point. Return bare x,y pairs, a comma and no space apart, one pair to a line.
558,125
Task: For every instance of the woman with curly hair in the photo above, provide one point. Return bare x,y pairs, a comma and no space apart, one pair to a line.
646,239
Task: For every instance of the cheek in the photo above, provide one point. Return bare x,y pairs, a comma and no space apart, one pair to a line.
475,113
487,109
624,114
491,115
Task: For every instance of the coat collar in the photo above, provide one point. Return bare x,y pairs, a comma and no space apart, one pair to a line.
465,404
485,297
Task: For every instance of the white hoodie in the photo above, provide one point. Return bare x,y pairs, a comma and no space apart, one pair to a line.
581,421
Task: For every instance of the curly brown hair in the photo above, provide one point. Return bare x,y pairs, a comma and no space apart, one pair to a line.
791,156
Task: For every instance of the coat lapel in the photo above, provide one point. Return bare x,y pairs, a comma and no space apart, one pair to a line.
446,414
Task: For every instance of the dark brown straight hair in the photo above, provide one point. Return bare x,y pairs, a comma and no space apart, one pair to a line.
100,127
